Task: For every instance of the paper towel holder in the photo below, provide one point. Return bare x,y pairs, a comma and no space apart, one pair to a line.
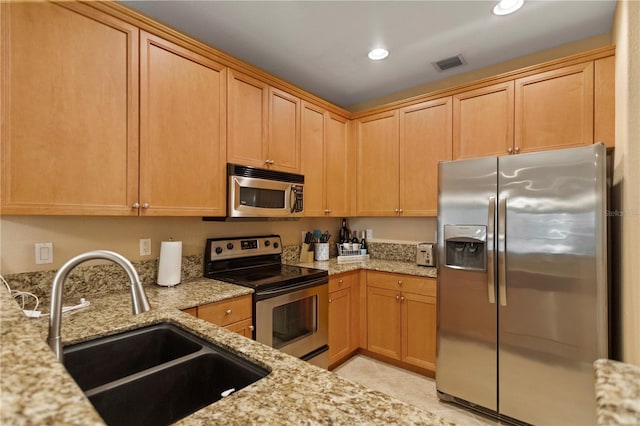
170,263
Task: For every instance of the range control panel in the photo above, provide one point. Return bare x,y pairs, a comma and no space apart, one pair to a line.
235,248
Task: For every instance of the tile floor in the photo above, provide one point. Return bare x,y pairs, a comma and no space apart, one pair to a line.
409,387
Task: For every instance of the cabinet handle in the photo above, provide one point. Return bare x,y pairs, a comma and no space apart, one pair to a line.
400,283
509,150
250,328
401,299
399,210
517,149
145,206
340,280
396,210
135,205
330,300
329,210
228,312
269,161
397,297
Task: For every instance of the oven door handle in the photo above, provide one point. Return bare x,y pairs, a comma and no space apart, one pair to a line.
279,291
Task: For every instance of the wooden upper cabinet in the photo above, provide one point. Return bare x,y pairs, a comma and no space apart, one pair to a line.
182,131
283,151
604,101
324,162
69,110
263,125
248,120
313,159
483,121
425,140
554,109
377,165
337,170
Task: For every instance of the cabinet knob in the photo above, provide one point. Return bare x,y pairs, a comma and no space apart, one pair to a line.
145,206
330,300
340,280
399,210
397,297
401,299
400,283
135,205
250,328
269,162
396,210
509,150
328,210
517,149
228,312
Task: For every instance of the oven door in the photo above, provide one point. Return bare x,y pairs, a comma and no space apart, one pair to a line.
252,197
294,321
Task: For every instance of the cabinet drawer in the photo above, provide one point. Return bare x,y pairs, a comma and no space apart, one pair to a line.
227,311
410,283
338,282
244,327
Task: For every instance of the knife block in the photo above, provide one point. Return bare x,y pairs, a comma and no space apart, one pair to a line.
306,256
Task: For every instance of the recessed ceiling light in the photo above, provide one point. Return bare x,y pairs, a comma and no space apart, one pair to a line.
378,54
505,7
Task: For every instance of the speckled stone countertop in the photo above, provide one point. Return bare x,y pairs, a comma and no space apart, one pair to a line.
333,267
617,392
35,388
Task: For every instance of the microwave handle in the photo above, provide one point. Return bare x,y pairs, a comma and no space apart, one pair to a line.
292,198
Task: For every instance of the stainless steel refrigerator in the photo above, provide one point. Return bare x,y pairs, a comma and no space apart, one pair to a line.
522,284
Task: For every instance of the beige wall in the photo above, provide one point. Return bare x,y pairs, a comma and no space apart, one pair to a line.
626,36
518,63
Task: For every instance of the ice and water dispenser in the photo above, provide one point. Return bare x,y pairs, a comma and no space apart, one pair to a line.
466,247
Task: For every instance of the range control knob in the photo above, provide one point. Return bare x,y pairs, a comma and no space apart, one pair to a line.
229,246
267,243
218,250
276,245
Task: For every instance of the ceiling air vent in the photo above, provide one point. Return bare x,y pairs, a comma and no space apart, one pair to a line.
452,62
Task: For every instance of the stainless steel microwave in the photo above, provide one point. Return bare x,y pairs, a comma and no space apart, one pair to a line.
255,192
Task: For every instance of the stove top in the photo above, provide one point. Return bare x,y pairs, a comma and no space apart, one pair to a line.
255,262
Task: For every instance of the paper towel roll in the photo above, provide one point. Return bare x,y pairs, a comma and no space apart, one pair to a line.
170,265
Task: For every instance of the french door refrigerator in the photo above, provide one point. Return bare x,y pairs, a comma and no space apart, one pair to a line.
522,284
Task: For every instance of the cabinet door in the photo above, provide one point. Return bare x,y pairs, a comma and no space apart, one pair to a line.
425,140
182,131
419,330
69,110
377,165
336,158
244,328
313,159
554,109
339,324
483,121
284,131
384,322
247,118
604,104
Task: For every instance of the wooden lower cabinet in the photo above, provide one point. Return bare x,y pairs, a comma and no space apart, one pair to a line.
233,314
343,316
401,318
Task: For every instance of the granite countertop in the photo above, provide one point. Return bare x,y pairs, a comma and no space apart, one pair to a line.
617,392
395,266
35,388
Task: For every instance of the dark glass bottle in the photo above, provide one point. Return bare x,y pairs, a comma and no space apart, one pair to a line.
344,232
363,244
354,240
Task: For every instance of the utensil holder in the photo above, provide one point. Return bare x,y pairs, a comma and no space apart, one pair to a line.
322,251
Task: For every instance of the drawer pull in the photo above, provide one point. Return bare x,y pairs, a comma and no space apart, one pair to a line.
400,282
228,312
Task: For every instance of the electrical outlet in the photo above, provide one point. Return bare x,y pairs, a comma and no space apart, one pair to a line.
44,253
145,246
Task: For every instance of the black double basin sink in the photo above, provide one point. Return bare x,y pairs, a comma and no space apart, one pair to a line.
156,375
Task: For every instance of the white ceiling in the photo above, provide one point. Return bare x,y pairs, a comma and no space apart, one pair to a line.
322,46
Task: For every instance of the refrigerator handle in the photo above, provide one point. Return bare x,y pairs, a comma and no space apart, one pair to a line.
491,278
502,252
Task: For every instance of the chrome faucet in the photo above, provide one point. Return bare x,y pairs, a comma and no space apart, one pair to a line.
139,300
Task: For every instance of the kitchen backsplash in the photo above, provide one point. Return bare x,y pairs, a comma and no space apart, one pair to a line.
101,279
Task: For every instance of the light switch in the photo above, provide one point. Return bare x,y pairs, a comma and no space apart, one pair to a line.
44,253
